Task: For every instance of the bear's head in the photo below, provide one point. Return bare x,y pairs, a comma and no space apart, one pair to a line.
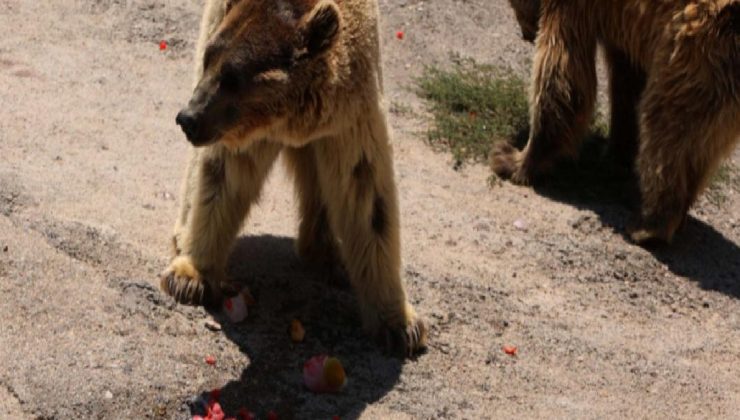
528,15
263,58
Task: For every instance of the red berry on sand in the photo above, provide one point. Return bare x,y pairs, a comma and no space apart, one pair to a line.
162,45
216,412
245,414
399,34
510,350
210,360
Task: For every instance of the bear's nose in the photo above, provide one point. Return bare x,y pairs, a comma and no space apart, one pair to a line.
188,123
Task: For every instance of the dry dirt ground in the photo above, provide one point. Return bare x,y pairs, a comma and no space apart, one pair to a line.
90,166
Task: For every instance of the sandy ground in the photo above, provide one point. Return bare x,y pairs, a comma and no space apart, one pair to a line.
90,166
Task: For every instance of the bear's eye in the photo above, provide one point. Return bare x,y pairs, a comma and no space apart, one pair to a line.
229,80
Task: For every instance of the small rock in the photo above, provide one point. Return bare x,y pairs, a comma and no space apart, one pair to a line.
108,395
520,224
165,195
297,333
5,248
212,325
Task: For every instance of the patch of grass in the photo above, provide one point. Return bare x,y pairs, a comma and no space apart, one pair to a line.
399,108
473,106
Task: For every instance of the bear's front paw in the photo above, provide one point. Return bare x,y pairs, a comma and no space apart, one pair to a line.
404,339
186,284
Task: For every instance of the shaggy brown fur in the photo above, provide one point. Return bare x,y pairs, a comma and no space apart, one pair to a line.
687,114
302,77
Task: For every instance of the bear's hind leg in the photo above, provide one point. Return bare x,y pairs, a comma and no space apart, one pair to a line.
357,181
684,136
316,243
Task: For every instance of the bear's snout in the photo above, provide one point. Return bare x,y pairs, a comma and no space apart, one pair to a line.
188,123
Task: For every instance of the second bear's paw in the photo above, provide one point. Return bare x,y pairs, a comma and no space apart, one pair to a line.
647,237
506,162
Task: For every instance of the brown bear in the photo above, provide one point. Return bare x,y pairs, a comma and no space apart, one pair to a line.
675,94
301,77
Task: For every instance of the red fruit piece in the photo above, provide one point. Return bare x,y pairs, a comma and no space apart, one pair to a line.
210,360
162,45
216,412
399,34
510,350
245,414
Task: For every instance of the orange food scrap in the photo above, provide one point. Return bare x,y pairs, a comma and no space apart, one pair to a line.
297,332
510,350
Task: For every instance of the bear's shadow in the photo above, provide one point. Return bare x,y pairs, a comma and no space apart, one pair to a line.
284,289
599,182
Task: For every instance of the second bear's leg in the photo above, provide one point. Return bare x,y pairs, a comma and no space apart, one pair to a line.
684,136
561,99
226,185
357,181
316,243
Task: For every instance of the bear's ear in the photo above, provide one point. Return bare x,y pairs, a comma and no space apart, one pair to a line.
320,27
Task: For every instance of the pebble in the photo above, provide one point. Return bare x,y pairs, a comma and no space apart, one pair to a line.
212,325
108,395
520,224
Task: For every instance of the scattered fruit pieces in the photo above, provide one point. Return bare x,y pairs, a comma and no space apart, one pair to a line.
399,34
162,45
323,374
210,360
510,350
297,332
245,414
248,298
236,308
215,394
215,412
